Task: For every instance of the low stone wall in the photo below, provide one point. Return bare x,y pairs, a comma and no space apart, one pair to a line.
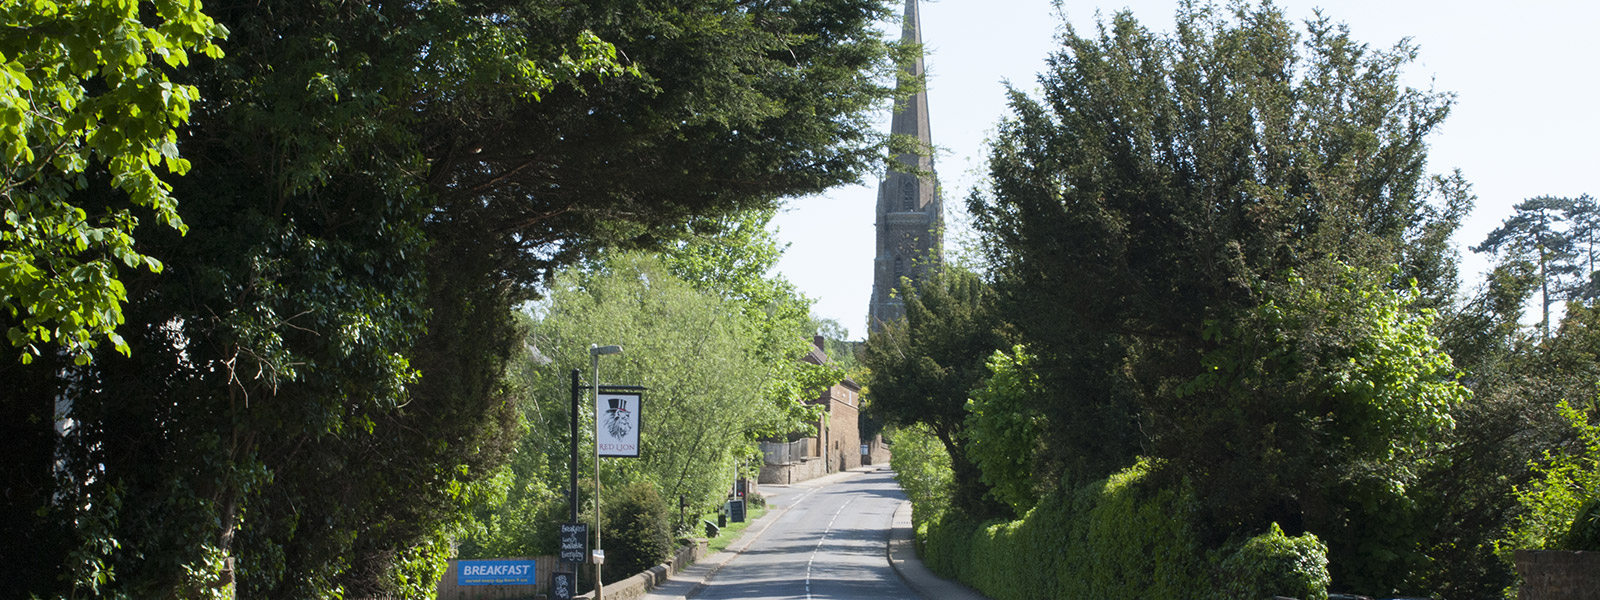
795,472
641,584
1558,575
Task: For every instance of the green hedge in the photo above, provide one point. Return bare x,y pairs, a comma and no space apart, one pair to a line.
1120,538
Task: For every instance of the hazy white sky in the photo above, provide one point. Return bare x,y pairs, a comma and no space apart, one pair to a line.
1525,121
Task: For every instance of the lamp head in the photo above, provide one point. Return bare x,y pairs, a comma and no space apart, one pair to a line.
595,350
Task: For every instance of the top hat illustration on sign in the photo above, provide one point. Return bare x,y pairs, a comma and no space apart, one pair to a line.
618,420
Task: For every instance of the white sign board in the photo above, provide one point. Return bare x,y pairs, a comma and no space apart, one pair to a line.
618,415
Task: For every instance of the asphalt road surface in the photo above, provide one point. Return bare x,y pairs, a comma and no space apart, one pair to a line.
826,542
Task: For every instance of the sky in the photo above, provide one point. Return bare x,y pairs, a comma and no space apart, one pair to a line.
1526,121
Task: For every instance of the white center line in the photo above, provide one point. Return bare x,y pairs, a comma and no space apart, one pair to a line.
824,538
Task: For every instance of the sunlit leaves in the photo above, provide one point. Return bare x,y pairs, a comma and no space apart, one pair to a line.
81,97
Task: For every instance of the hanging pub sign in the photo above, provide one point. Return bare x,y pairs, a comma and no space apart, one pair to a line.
618,415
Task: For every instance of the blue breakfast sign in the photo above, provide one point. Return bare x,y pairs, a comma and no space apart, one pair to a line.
495,572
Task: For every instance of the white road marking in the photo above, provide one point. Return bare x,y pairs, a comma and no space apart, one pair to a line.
820,541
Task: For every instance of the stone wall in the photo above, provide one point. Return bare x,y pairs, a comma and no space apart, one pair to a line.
844,437
877,452
1558,575
795,472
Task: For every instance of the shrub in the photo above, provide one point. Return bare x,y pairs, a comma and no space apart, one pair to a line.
1562,483
638,534
922,465
1121,537
1274,564
1585,532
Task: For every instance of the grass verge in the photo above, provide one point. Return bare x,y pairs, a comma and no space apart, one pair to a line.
732,531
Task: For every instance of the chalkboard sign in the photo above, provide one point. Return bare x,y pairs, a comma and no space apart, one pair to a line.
574,542
562,585
736,511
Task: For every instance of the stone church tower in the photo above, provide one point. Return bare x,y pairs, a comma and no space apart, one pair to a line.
910,216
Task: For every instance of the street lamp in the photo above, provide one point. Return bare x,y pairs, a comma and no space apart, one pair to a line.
595,351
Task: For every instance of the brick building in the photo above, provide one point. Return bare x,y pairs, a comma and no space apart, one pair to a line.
840,438
836,444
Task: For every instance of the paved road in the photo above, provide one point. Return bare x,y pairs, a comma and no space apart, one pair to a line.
826,542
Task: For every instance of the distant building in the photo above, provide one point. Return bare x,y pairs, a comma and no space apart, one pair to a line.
841,404
836,445
910,215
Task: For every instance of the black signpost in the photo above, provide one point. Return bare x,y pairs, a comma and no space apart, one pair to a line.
736,511
574,543
562,585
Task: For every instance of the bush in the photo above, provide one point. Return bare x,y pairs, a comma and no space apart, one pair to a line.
1585,532
922,466
638,534
1562,490
1274,564
1122,537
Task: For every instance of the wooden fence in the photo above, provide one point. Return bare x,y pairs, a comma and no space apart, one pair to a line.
543,567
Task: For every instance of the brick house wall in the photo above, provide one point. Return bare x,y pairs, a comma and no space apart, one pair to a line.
842,437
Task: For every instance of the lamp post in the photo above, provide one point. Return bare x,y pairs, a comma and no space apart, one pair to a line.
594,363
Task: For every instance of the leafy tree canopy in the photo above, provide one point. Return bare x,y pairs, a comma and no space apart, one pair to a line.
316,383
923,368
1220,245
87,102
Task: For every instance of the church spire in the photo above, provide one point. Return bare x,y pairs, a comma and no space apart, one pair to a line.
910,214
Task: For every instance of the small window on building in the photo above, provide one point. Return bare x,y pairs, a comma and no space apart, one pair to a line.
908,194
899,267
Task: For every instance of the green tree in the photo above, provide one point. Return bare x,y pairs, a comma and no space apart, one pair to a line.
734,258
1536,233
1167,218
316,388
698,354
924,367
1004,431
87,99
922,466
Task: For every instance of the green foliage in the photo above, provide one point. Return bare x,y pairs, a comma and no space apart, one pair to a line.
320,395
1004,431
86,103
695,351
709,357
1120,538
1274,564
637,534
922,465
1222,246
923,369
733,261
1323,408
1565,483
1585,533
1537,233
1159,178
